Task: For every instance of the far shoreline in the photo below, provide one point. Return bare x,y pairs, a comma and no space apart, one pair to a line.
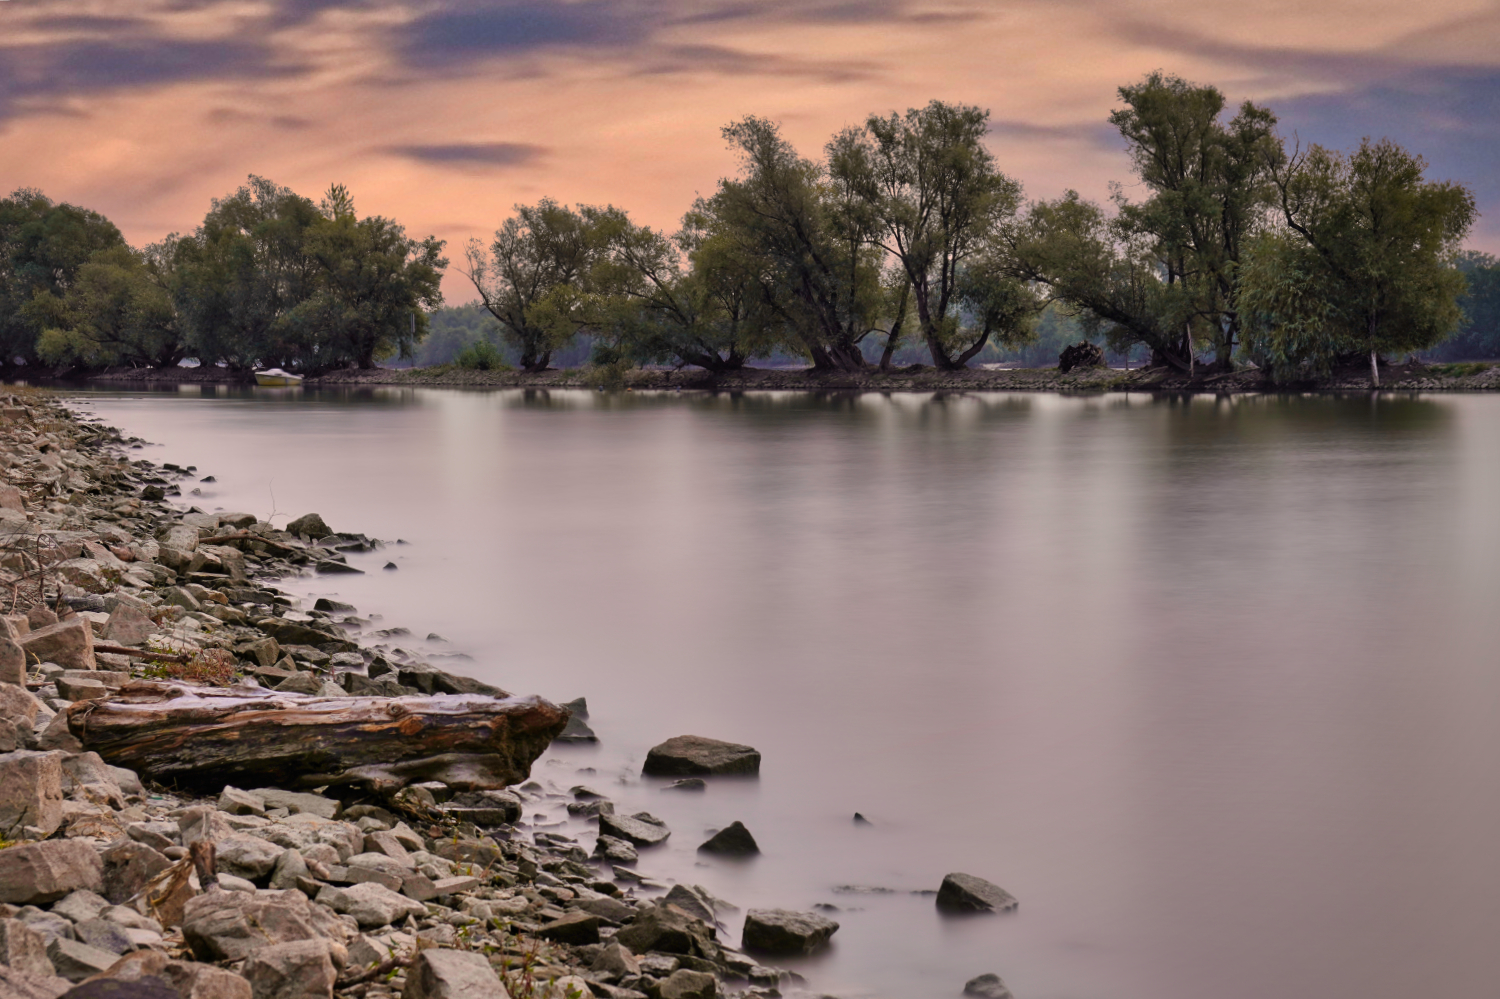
1412,377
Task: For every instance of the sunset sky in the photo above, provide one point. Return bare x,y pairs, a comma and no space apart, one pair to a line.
443,114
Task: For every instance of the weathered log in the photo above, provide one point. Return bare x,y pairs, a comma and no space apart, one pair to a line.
203,738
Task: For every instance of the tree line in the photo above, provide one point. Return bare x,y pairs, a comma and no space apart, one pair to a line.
904,233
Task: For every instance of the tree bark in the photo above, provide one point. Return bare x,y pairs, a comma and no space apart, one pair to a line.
206,737
1374,369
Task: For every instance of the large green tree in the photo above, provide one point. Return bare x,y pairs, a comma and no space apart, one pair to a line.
935,202
1364,262
118,309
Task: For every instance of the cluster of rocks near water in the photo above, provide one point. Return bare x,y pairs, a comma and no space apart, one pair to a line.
112,884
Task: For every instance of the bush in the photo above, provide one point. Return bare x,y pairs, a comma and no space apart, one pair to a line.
481,355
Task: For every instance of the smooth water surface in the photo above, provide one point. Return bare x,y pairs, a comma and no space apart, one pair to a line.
1211,687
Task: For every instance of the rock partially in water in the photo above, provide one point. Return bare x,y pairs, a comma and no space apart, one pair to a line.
733,840
783,931
577,729
642,828
615,850
309,526
987,987
966,893
685,755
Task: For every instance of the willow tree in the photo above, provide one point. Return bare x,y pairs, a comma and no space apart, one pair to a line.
1364,263
936,202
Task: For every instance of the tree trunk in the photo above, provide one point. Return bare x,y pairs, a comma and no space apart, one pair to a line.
1374,369
974,349
940,358
206,737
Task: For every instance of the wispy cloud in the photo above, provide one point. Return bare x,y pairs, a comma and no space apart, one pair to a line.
487,154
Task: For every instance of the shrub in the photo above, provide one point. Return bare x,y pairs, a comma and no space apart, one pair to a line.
481,355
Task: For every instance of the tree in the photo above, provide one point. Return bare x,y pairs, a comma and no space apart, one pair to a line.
42,247
373,287
243,272
117,310
1364,263
935,201
806,235
532,274
1478,335
1210,193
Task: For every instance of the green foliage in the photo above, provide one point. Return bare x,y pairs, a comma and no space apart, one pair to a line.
451,329
481,355
118,310
1478,334
1364,264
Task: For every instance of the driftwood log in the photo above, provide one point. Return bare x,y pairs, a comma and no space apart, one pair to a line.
205,737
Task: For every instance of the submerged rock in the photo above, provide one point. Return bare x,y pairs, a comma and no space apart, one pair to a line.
577,729
732,841
685,755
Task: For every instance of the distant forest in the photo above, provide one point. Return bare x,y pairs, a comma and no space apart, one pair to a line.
902,243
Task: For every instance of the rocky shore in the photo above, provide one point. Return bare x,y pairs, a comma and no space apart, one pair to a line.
1413,377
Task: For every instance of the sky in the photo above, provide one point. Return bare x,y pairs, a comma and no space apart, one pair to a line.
443,114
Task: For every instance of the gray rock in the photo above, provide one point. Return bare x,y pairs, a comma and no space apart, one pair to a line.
966,893
574,928
203,822
34,873
12,661
685,984
301,969
371,904
237,802
298,801
687,784
782,931
248,857
129,626
289,867
23,949
686,755
452,974
68,643
229,926
80,690
577,729
17,705
184,979
30,792
89,772
616,960
300,683
56,735
694,903
17,984
611,910
128,867
76,961
104,935
732,841
666,928
642,828
81,905
309,525
987,987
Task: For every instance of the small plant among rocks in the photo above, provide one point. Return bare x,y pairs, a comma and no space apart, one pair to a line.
214,667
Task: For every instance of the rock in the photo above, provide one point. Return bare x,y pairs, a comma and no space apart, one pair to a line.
203,822
452,974
615,850
68,643
80,690
732,841
371,904
56,735
129,866
301,683
309,525
185,979
577,729
40,617
686,755
104,935
616,960
289,867
81,905
575,928
302,969
247,856
47,925
298,801
230,926
385,842
75,960
486,808
128,626
34,873
685,984
611,910
687,784
237,802
1080,355
782,931
694,903
12,662
642,828
110,988
16,984
23,949
966,893
666,928
30,792
987,987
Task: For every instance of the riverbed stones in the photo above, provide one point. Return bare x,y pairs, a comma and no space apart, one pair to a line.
30,792
686,984
616,960
615,850
129,626
298,801
966,893
642,828
12,661
783,931
734,840
23,948
452,974
689,755
129,866
666,928
576,927
68,643
76,960
309,525
371,904
36,873
299,969
988,986
577,729
230,926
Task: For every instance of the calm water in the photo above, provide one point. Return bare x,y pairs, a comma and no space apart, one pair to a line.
1211,687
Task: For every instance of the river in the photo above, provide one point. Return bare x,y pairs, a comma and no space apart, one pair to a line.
1210,686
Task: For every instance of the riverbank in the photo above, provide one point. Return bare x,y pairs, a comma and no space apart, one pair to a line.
359,889
1413,377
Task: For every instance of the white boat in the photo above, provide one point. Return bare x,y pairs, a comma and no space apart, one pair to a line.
277,377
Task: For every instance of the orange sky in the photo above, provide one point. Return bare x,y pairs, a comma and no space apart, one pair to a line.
443,114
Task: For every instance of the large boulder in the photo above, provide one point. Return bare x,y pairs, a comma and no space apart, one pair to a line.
309,525
452,974
642,828
230,926
667,928
782,931
301,969
687,755
30,792
68,643
966,893
35,873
